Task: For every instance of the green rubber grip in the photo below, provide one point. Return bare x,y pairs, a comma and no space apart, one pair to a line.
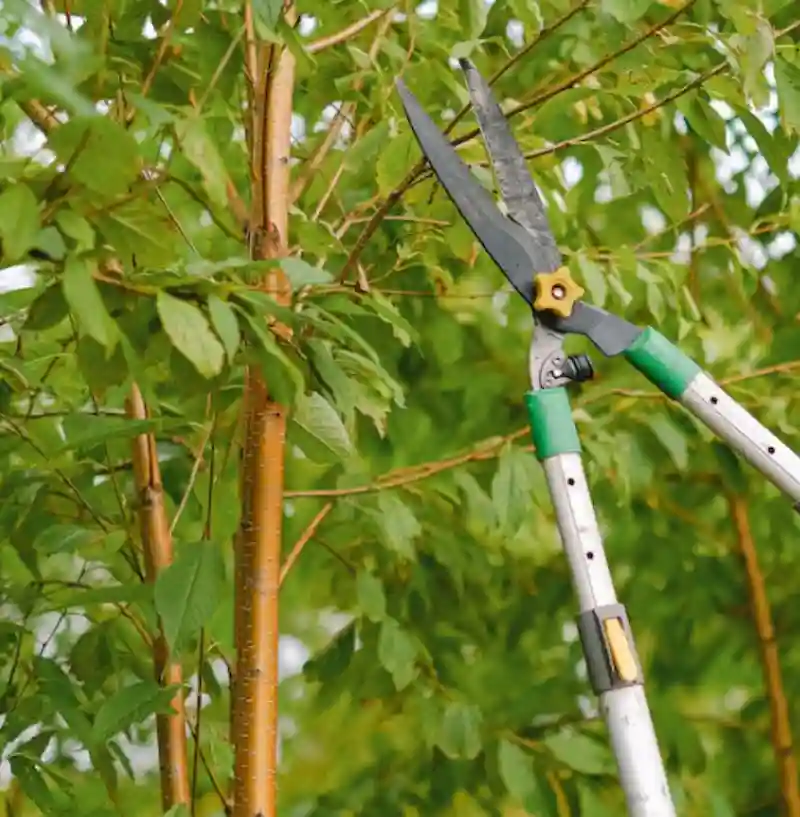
552,428
662,363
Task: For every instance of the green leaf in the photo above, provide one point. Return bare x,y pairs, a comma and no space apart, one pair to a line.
129,705
113,594
460,731
371,598
47,311
99,153
704,120
625,11
64,538
301,274
83,430
511,488
516,771
473,14
400,526
320,419
395,161
223,318
282,389
388,312
787,80
187,593
365,151
50,243
33,785
86,303
334,659
191,335
77,228
201,151
580,753
269,12
673,440
755,50
19,222
594,279
397,653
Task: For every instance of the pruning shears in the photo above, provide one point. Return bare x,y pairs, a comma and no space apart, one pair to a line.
522,245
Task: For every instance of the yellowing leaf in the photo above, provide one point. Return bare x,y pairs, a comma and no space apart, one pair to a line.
190,333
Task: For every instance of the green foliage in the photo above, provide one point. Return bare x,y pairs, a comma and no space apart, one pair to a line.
434,602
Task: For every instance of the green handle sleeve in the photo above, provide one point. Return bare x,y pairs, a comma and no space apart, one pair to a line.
662,363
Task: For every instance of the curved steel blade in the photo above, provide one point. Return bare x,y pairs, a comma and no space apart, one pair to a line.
519,192
508,244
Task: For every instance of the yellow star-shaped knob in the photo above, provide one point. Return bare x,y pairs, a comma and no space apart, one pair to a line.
556,292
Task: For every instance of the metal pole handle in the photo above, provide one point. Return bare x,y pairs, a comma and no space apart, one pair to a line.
608,644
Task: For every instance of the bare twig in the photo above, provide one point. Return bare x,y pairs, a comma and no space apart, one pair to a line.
198,461
162,48
307,535
348,32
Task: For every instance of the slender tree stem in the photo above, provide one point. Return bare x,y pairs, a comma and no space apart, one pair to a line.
258,550
157,547
782,742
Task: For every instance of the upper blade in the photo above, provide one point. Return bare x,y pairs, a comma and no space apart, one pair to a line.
516,185
508,244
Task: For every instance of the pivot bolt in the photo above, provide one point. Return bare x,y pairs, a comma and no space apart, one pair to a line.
556,292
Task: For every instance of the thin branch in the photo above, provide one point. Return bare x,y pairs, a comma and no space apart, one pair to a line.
198,708
306,536
405,476
198,461
39,115
226,804
782,742
490,448
572,81
79,498
157,547
343,115
162,49
301,182
348,32
583,138
546,32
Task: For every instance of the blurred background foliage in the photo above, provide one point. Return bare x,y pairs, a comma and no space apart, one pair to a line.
429,657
